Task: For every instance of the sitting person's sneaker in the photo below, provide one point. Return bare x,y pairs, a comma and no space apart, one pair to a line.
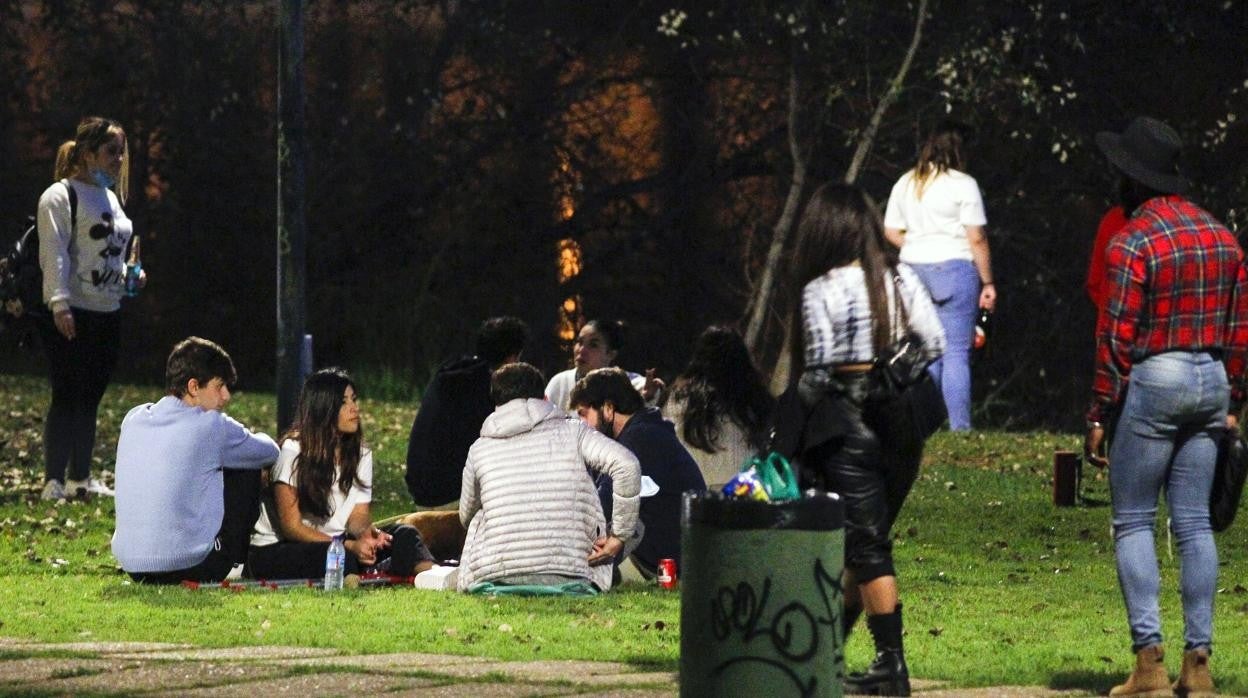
53,490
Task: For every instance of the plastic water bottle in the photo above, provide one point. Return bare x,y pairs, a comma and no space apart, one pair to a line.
132,279
335,561
134,267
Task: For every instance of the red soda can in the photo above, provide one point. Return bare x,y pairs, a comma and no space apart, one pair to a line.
667,573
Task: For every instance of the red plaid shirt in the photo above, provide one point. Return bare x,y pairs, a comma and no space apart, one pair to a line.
1176,282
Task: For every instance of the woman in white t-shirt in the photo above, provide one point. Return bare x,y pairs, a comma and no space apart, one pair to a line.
597,344
935,215
322,487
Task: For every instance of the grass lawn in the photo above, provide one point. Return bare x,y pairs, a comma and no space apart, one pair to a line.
1000,586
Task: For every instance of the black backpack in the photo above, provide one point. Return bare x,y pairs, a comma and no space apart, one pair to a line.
21,279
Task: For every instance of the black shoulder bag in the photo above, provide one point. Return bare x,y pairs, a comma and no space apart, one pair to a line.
903,399
1228,480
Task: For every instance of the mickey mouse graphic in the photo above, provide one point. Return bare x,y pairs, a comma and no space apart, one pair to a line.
107,272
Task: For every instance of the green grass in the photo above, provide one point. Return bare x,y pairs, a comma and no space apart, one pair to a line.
1000,587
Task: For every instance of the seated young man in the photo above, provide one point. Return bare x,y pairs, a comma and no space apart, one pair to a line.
607,401
454,405
527,500
188,476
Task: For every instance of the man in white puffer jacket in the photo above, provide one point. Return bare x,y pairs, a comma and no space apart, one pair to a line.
528,502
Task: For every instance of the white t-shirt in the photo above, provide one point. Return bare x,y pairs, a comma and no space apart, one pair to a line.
935,224
559,389
340,505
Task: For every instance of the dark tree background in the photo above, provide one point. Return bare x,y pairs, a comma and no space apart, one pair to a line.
564,159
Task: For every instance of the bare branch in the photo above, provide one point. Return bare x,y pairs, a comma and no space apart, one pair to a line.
867,139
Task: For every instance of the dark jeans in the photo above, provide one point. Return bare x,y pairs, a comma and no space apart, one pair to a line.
292,560
79,371
242,508
873,474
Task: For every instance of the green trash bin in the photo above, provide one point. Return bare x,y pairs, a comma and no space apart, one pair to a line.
760,596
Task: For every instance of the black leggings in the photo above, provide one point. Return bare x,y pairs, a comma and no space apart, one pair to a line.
873,475
291,560
79,371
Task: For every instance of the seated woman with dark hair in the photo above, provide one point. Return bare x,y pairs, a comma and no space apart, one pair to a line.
597,345
720,405
322,487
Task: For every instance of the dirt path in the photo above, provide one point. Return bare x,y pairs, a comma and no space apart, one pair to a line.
156,669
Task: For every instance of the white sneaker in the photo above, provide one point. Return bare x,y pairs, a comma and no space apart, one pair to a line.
53,490
95,486
91,486
236,572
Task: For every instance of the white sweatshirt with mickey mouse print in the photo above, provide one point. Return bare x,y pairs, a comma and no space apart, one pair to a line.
85,267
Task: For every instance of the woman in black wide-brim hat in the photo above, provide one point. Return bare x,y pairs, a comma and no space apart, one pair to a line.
1170,346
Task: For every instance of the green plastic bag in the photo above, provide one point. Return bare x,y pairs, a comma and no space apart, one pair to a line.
774,471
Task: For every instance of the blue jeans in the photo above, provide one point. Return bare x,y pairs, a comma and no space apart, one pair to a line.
1174,411
954,285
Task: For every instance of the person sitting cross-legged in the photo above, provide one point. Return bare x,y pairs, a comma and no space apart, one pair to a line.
528,502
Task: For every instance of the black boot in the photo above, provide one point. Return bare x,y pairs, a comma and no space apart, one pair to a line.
849,618
887,675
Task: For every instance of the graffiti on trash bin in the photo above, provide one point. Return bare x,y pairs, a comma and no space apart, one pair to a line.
792,631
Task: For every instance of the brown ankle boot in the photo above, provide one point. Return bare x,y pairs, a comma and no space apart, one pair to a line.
1149,680
1195,680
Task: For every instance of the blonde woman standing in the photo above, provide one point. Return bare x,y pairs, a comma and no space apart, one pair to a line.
935,215
82,251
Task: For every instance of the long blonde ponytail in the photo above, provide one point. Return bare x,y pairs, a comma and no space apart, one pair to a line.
65,157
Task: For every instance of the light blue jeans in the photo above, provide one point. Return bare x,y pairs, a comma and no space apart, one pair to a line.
1175,410
954,285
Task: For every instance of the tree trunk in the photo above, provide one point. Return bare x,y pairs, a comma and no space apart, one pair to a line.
867,138
766,290
761,305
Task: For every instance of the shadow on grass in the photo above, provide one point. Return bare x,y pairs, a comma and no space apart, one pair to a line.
1088,680
164,596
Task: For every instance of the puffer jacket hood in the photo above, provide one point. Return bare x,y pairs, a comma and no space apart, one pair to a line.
518,417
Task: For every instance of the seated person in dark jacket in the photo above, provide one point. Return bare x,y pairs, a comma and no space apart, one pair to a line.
607,401
454,405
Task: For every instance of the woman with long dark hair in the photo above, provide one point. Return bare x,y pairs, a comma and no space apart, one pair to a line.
84,236
322,487
853,296
936,217
720,405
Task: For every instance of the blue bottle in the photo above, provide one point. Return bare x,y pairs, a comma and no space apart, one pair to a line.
134,268
335,561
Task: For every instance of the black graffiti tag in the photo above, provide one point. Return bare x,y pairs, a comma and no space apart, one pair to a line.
793,631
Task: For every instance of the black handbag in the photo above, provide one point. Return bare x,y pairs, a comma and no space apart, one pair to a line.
1228,480
902,397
